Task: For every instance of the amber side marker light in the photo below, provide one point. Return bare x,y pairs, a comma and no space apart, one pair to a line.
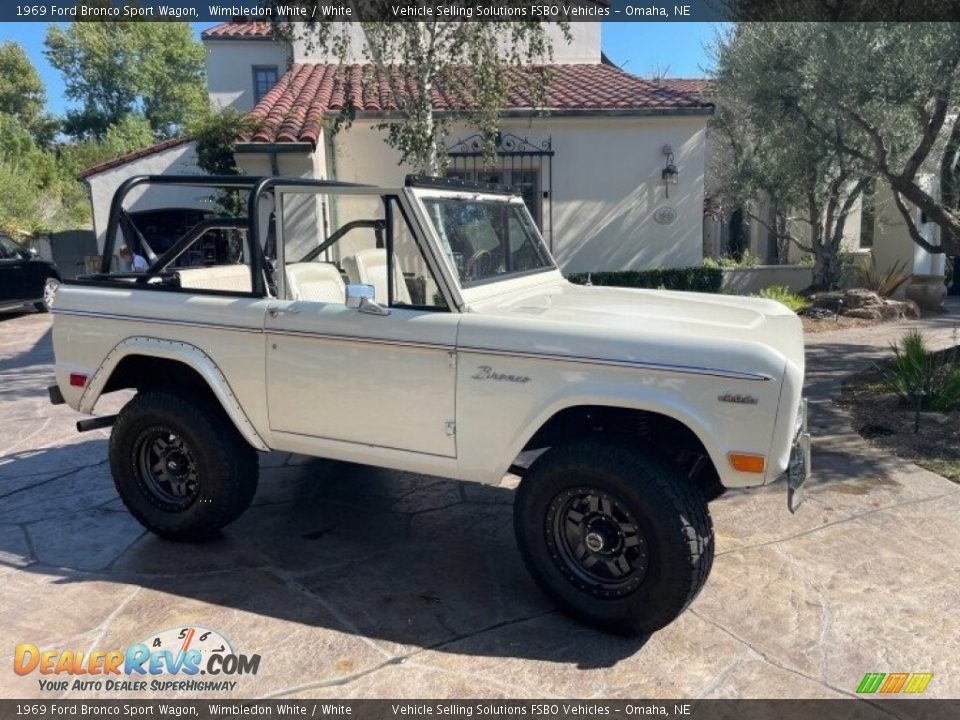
747,462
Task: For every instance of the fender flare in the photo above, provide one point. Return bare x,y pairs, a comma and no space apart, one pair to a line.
683,414
191,356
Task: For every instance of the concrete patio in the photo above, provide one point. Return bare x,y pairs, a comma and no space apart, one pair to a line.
357,582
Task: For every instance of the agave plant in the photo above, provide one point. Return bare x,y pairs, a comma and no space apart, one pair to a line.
920,378
883,283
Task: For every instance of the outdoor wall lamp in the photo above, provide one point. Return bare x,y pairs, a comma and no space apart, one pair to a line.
670,173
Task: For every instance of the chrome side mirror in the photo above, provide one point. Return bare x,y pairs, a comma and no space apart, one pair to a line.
361,298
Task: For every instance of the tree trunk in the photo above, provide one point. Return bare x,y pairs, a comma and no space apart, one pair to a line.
782,238
825,269
432,166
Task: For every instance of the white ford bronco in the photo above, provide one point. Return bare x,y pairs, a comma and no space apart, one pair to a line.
426,328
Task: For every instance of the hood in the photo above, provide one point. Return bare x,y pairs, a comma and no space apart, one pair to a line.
731,332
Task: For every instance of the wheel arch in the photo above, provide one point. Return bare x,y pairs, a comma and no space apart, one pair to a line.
151,363
661,427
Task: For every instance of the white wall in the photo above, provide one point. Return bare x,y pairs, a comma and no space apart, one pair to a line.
179,160
303,219
230,66
892,243
606,186
584,46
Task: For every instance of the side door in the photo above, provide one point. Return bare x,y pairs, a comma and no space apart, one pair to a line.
12,266
338,373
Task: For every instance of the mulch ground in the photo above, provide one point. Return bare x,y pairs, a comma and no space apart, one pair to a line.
839,322
885,421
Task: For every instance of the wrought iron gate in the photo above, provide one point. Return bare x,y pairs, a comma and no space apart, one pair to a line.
521,163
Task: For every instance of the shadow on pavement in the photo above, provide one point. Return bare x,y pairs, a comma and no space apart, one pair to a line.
397,557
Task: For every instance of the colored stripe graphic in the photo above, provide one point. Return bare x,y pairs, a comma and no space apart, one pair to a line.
918,682
870,682
894,683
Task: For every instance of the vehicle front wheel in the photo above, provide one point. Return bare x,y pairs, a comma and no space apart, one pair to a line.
180,466
50,288
614,534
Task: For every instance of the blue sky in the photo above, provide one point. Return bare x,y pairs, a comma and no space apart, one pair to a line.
639,48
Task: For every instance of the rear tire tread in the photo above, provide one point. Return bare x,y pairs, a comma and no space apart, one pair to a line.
232,465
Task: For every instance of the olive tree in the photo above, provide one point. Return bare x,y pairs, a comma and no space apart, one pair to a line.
893,91
764,151
882,98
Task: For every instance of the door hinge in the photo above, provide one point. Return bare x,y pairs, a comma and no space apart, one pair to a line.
451,428
452,358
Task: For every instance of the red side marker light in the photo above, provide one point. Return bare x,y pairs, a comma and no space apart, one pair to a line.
78,380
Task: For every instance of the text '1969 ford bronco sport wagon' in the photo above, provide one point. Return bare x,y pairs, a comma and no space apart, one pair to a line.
427,328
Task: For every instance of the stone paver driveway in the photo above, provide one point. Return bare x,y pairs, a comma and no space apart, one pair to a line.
357,582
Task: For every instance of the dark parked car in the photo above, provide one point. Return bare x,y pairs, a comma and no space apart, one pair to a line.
25,279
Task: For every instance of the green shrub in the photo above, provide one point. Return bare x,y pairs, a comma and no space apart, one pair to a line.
694,279
921,378
746,259
783,294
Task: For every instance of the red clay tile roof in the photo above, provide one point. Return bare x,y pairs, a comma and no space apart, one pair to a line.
245,30
135,155
695,86
294,109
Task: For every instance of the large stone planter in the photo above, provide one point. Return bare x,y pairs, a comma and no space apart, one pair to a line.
927,291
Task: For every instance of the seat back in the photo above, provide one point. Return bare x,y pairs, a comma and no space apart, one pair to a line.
235,278
315,281
370,267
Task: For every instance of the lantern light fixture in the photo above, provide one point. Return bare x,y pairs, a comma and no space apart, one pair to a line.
670,173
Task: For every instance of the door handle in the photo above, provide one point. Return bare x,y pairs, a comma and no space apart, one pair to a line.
277,312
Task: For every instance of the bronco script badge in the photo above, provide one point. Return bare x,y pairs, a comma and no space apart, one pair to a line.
485,372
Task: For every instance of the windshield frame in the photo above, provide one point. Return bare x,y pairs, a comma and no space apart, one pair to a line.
421,195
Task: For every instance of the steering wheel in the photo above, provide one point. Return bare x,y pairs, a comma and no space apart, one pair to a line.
479,256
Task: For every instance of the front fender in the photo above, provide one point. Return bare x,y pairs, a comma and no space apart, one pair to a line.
185,353
507,415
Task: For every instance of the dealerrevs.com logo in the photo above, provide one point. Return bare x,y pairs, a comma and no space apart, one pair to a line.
167,661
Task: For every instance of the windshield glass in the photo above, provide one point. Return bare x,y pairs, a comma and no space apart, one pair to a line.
487,239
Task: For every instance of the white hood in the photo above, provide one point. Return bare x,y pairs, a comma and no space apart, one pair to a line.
721,331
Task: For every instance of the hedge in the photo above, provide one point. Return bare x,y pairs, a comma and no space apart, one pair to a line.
695,279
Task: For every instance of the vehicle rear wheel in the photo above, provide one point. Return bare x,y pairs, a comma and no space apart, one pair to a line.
614,534
180,466
50,288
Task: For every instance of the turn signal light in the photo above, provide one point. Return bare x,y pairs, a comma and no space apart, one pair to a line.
78,380
746,462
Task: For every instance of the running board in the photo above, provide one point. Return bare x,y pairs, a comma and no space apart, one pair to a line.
96,423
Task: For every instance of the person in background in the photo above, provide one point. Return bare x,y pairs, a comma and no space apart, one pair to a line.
131,261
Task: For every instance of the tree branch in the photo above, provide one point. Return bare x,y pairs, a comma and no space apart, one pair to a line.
911,226
948,168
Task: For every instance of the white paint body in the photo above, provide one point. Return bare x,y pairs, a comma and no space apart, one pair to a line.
408,390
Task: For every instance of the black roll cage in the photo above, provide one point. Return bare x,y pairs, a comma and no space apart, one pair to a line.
257,187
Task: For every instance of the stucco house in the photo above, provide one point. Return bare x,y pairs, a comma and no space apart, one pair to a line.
590,164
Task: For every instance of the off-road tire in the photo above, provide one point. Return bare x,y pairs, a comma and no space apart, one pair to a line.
669,510
226,466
